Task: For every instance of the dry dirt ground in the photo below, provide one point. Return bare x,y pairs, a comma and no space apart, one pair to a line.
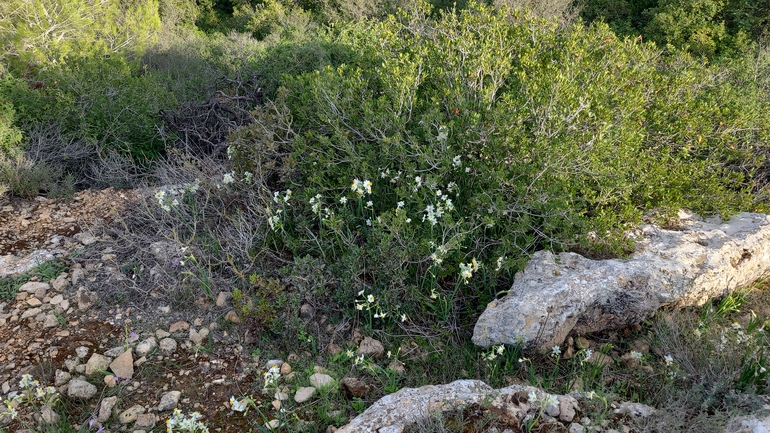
86,309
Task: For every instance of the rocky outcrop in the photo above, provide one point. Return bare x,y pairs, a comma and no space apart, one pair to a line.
560,294
512,405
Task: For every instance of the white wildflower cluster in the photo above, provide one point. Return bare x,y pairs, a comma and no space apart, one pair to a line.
636,355
467,270
315,204
434,212
368,303
588,354
170,197
31,392
238,405
228,178
360,187
272,376
438,256
417,183
190,424
286,196
274,220
457,162
499,263
496,351
248,176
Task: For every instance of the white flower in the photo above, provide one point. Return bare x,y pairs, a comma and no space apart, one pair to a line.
248,176
467,169
359,307
443,133
403,317
408,220
532,396
369,203
359,359
369,222
229,178
500,349
344,200
636,355
590,395
389,354
368,186
456,162
466,271
433,294
589,353
27,381
287,196
370,298
350,354
238,406
556,351
669,360
697,332
399,205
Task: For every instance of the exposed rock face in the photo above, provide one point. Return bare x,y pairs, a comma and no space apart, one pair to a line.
394,412
556,295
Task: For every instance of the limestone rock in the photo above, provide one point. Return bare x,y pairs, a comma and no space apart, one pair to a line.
49,416
371,348
61,378
392,412
319,380
131,414
168,346
559,294
178,327
638,410
146,346
169,400
33,286
748,424
145,421
78,388
304,394
85,299
97,364
123,365
105,408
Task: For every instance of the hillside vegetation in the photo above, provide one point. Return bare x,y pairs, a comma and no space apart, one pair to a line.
389,162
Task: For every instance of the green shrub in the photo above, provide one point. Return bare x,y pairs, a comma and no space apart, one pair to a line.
10,135
427,171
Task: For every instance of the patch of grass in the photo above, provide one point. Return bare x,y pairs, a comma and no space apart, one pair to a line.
44,272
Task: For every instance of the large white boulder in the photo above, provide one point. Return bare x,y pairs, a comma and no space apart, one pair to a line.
567,293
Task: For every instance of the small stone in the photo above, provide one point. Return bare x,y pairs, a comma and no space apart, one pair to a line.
178,327
56,300
353,387
61,282
145,421
110,381
97,364
169,400
78,388
161,334
281,396
318,380
51,321
32,312
85,299
34,302
371,348
105,408
115,351
552,410
304,394
33,286
195,336
168,346
306,312
49,416
131,414
61,378
566,409
333,349
232,317
123,365
146,346
576,428
198,321
81,352
397,366
77,275
285,368
223,299
274,363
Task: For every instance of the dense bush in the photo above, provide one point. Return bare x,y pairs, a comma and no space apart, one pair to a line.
425,172
10,135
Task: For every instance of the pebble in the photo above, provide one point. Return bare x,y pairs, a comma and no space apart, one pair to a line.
169,400
304,394
319,380
78,388
105,408
131,414
168,346
146,346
